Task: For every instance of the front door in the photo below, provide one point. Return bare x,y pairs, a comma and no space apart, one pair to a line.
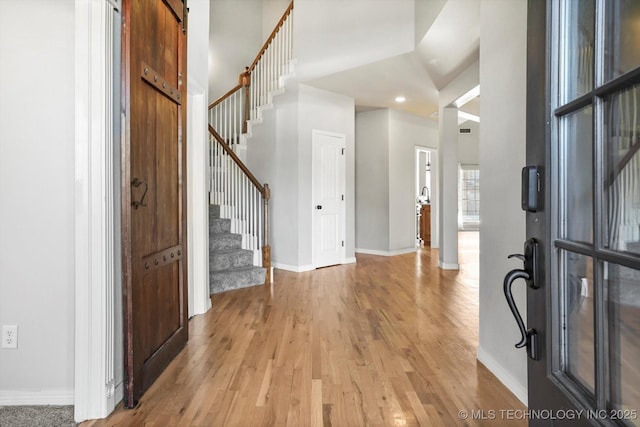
154,249
584,136
328,198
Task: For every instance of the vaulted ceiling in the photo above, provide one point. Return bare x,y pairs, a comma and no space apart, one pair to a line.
446,42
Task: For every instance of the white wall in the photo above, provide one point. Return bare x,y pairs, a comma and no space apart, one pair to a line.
385,178
469,144
328,41
372,180
502,229
286,188
406,131
272,11
235,39
37,198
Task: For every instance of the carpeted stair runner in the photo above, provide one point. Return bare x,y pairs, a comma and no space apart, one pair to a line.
230,266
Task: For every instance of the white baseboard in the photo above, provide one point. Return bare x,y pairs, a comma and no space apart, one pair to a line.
517,388
294,268
447,266
118,394
36,397
385,253
303,268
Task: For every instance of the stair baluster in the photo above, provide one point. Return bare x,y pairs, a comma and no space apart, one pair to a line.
241,197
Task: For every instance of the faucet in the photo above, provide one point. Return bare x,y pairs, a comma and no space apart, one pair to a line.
422,193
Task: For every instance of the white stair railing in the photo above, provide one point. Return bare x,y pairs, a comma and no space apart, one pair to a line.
272,62
227,116
256,84
241,198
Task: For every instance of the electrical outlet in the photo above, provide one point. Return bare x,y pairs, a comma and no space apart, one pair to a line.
9,336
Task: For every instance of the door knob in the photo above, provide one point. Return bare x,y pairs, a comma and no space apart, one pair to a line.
319,207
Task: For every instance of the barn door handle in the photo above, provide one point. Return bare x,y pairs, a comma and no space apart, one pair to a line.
135,183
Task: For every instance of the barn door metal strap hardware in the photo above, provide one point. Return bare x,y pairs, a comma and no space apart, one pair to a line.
164,257
160,83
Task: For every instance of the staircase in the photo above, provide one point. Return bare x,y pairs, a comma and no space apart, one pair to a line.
239,251
230,266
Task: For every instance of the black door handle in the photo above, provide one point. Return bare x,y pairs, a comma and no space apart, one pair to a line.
531,274
529,337
319,207
508,281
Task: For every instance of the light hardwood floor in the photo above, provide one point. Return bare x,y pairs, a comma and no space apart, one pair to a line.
389,341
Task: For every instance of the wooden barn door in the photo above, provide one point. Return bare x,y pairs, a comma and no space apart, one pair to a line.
153,191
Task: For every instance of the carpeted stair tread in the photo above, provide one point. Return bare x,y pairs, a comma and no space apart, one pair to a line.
219,225
230,258
224,241
230,266
236,278
214,211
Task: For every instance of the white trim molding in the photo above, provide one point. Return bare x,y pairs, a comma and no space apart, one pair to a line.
448,266
517,388
94,388
385,253
197,200
36,397
294,268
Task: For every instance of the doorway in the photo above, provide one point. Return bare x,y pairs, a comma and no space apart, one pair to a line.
153,190
426,197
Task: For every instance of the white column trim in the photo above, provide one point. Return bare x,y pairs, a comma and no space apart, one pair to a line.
198,199
94,261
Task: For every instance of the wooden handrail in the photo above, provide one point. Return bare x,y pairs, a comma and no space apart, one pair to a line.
265,194
225,96
271,37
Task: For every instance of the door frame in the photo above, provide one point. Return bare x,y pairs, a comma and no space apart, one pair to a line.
95,393
343,213
97,352
433,191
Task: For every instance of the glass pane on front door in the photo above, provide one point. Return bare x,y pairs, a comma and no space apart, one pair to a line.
577,283
623,303
622,171
577,151
595,201
577,49
623,39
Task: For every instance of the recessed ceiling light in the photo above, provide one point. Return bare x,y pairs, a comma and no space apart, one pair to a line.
400,99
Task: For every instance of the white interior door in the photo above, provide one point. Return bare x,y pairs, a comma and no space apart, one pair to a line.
328,198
